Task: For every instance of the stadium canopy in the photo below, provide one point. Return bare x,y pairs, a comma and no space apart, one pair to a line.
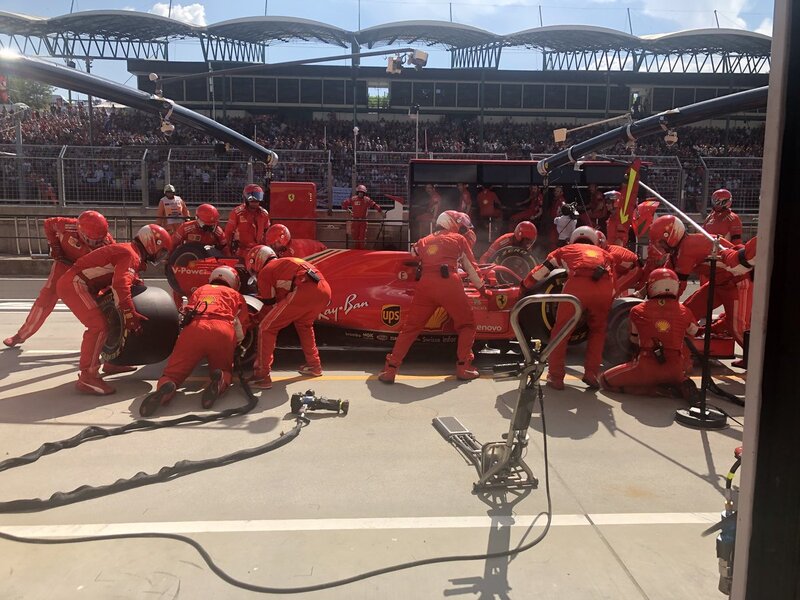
131,34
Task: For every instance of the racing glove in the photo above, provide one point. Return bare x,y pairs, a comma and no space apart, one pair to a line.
56,253
132,320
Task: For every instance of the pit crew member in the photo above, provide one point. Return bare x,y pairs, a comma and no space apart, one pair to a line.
218,319
523,236
204,229
440,254
590,279
658,327
280,239
627,266
617,232
69,239
722,221
533,207
171,210
116,265
294,292
247,223
358,206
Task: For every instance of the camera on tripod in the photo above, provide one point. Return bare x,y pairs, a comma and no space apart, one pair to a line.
570,210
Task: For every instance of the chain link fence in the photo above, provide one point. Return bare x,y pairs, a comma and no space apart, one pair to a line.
740,175
29,174
104,176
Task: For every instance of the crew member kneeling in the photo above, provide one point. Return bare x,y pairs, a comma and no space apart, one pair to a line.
658,326
523,236
219,318
590,279
440,254
299,294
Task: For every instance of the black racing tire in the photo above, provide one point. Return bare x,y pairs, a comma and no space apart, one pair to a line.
517,259
618,348
538,320
159,333
249,345
182,256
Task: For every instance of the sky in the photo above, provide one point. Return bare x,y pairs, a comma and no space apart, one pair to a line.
497,16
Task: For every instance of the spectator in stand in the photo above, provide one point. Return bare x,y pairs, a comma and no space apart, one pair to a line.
172,210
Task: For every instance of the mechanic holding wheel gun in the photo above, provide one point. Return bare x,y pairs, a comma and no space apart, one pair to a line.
440,255
214,323
204,230
358,206
658,326
299,294
589,278
247,223
117,265
69,239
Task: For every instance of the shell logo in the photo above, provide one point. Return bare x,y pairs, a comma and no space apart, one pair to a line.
437,319
662,326
592,253
432,249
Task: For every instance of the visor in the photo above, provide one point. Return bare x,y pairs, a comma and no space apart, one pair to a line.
255,196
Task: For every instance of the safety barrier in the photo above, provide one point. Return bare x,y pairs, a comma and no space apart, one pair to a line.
740,175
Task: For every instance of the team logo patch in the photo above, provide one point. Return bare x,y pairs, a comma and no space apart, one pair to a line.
390,314
502,301
592,253
437,319
662,326
208,299
432,249
291,197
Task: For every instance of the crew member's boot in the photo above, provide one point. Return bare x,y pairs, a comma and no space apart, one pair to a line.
465,371
12,341
389,371
591,381
90,383
214,389
310,370
160,397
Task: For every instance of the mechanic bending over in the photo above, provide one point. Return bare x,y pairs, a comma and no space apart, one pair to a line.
440,254
214,323
627,266
590,278
523,236
280,239
116,265
658,327
247,223
293,292
69,239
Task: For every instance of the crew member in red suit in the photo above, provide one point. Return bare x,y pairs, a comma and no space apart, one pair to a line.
598,211
722,221
464,199
440,254
658,326
69,239
533,207
299,294
690,253
219,320
280,239
248,223
358,206
116,265
489,205
523,236
590,278
627,266
616,231
204,229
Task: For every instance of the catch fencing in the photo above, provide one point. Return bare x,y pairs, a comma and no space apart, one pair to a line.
740,175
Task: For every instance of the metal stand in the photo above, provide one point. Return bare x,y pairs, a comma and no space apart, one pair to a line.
500,464
700,416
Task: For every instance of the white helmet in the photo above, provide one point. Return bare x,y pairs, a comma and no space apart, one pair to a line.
454,221
584,234
226,275
257,257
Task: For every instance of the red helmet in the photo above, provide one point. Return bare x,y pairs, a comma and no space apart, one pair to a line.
257,257
663,283
253,192
226,275
155,241
207,216
92,228
721,199
278,237
667,232
584,234
525,230
361,188
601,239
454,221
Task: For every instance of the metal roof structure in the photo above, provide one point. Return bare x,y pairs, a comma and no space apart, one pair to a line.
131,34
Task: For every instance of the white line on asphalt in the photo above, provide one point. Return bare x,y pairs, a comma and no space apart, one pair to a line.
366,524
25,306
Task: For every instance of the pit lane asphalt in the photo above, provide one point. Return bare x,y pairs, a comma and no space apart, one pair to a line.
632,490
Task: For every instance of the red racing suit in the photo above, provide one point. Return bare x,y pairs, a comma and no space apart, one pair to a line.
116,265
359,208
532,211
726,224
616,231
590,279
627,269
505,240
190,232
301,248
212,334
246,228
299,299
658,327
440,254
66,246
489,205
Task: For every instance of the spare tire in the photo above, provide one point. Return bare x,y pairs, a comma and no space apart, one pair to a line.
159,333
538,320
517,259
182,256
618,348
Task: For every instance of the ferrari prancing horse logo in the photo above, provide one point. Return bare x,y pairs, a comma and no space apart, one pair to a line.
291,197
501,300
390,314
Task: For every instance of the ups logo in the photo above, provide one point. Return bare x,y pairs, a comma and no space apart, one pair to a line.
390,314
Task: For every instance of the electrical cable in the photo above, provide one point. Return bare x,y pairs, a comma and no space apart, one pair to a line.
219,572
